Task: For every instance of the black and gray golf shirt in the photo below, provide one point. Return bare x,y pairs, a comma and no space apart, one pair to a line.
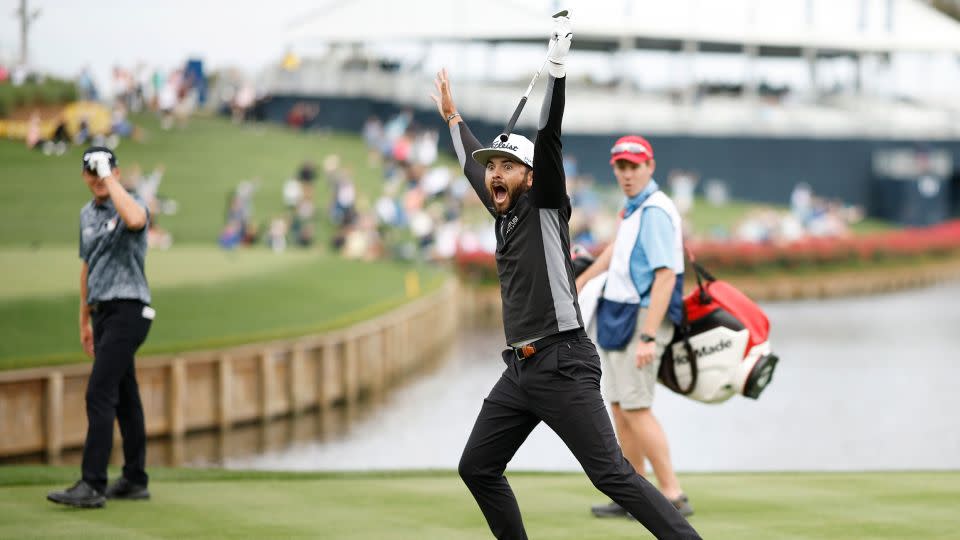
533,238
114,254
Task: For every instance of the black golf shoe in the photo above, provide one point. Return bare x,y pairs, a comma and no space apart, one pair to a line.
125,489
682,504
79,495
609,510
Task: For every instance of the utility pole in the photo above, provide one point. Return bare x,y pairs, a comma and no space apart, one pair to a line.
26,21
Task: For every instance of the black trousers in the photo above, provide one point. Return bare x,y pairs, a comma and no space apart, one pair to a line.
119,329
559,385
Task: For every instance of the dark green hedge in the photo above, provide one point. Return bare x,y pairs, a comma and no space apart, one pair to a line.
49,92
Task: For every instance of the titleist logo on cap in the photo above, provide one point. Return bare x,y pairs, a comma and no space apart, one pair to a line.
504,145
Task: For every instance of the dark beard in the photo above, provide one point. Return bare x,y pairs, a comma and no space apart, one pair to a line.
513,194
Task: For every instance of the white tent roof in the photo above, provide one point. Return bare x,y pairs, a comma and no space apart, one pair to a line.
355,21
834,25
845,25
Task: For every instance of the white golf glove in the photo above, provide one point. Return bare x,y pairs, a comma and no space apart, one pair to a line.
99,162
560,46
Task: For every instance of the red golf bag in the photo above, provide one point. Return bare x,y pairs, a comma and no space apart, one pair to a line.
722,348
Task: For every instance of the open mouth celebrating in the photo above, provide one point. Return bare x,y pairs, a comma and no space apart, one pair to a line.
499,192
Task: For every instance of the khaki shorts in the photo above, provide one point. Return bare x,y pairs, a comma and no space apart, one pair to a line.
622,382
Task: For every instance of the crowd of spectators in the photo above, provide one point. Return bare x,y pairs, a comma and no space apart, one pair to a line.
147,186
415,211
423,210
809,216
172,95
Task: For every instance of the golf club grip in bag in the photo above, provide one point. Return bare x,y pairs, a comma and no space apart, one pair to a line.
513,120
722,346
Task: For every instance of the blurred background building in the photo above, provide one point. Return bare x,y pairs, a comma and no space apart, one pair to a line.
761,96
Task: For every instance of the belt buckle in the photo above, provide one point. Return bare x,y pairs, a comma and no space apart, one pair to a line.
524,352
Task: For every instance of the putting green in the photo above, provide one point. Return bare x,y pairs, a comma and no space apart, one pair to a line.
436,505
48,272
205,298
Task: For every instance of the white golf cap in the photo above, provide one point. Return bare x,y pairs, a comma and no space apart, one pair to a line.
517,147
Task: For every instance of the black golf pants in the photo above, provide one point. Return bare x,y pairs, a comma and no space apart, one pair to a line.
119,329
559,385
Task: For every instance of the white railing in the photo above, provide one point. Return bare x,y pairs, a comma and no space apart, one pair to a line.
592,109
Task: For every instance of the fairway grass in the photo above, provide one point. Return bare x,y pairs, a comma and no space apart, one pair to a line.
436,505
42,195
205,298
55,271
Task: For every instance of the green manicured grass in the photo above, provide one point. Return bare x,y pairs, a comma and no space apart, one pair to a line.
436,505
204,298
42,195
55,271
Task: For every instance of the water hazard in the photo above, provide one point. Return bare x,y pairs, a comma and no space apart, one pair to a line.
864,384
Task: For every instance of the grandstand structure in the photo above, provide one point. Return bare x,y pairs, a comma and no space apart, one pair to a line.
844,105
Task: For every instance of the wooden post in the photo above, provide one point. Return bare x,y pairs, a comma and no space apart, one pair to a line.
178,450
327,359
405,349
225,379
298,370
54,416
351,371
378,377
176,397
266,384
390,362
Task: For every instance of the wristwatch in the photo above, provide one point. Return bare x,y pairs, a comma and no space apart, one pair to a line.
647,338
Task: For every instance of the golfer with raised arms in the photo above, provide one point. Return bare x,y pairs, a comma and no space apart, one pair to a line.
552,369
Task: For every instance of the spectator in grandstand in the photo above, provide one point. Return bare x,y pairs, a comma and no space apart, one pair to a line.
242,102
373,136
239,227
167,103
307,175
119,125
33,131
85,85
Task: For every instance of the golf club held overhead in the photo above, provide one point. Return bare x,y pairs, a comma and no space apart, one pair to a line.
523,100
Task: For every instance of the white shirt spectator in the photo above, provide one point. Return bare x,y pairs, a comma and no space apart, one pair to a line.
436,180
167,99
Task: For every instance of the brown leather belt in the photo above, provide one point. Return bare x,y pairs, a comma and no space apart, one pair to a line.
530,349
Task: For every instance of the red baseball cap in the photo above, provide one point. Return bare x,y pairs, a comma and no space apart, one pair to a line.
631,148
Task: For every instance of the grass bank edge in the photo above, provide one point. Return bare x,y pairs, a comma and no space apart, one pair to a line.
35,475
432,283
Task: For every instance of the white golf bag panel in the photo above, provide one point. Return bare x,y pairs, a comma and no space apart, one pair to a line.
726,331
727,335
723,366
